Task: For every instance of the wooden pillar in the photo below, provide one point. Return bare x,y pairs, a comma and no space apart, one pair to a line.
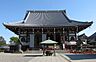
68,34
42,30
19,32
19,35
54,34
33,31
76,32
63,39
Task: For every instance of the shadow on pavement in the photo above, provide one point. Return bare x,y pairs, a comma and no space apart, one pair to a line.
33,55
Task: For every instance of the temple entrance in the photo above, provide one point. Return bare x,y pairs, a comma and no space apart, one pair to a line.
58,39
50,36
37,40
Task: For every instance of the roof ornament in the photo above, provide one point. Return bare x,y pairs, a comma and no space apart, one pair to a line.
23,22
65,11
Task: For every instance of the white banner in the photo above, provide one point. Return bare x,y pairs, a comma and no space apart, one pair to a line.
43,37
31,40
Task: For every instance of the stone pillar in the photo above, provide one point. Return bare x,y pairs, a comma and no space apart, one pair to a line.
20,50
54,49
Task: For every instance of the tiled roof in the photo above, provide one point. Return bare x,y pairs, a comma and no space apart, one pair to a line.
51,18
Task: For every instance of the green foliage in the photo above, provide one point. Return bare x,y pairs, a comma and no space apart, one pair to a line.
2,43
15,40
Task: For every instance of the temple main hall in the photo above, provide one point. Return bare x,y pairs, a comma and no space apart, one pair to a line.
39,25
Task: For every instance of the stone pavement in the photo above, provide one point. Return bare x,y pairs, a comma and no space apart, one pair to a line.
8,57
38,57
56,58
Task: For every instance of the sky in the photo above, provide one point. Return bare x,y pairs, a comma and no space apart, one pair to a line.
15,10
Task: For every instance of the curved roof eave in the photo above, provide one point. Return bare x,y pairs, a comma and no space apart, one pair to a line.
78,23
42,25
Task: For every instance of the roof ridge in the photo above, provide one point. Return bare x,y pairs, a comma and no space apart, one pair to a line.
46,10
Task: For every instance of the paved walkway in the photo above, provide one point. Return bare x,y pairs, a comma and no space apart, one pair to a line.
56,58
7,57
38,57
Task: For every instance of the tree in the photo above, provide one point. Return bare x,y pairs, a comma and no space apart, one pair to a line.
15,40
79,43
2,41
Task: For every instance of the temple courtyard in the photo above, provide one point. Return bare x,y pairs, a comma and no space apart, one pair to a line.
7,57
38,57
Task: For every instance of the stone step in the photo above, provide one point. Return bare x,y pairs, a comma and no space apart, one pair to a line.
33,51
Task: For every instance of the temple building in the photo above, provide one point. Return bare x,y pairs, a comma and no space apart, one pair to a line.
38,26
